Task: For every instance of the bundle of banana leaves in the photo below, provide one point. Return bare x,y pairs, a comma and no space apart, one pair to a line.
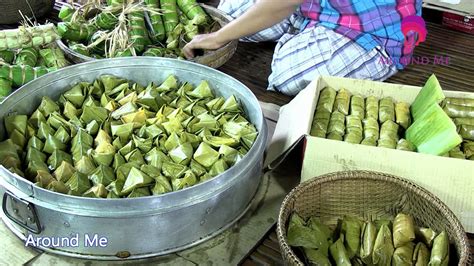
113,138
27,53
132,28
357,242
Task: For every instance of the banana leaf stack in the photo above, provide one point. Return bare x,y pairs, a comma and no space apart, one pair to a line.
424,126
27,53
114,139
133,28
356,242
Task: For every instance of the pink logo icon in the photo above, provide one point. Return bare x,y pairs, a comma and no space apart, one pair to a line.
414,24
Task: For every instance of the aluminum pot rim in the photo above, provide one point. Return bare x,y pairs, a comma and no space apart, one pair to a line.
211,185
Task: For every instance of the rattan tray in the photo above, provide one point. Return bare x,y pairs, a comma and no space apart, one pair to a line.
368,195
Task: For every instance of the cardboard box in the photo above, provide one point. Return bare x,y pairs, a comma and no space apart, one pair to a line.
452,180
459,7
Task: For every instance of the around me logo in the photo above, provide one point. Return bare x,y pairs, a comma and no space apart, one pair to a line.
415,32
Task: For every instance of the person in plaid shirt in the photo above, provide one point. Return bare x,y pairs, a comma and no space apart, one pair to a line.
346,38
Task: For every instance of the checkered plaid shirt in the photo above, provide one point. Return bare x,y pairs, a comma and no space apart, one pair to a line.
371,23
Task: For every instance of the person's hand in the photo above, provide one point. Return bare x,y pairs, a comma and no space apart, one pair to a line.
204,41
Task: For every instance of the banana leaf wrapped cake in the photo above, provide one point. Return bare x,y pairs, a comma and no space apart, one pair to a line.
113,138
100,29
26,53
432,124
354,241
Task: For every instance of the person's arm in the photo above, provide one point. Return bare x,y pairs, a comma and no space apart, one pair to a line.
262,15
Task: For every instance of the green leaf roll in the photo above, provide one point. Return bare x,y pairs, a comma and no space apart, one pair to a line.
403,230
440,250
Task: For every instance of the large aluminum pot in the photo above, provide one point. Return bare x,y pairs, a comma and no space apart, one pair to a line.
136,227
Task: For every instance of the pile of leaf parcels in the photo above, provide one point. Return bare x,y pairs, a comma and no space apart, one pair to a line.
121,28
114,138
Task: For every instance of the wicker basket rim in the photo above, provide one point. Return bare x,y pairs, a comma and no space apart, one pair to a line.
460,234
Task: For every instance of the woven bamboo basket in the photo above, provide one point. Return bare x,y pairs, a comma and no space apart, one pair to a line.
10,9
369,195
212,59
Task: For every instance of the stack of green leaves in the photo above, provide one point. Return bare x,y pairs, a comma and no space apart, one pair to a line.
432,132
114,138
355,242
148,28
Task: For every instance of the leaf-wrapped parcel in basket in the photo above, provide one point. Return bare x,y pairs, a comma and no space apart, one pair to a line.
425,235
300,235
383,247
351,228
421,255
339,252
367,239
317,257
403,255
440,250
403,230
